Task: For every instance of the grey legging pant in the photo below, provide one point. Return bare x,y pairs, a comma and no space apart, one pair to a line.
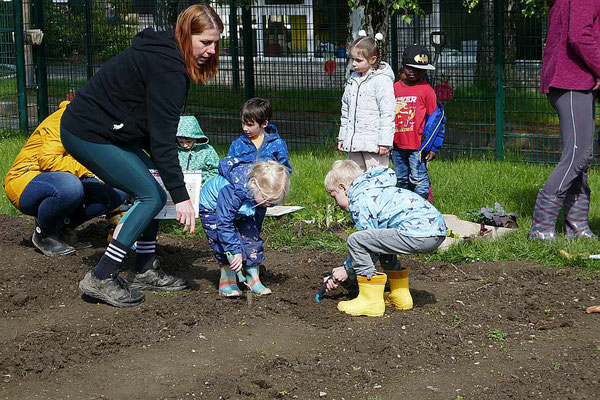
576,116
366,246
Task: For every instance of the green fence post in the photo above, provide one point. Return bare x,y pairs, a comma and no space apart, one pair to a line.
233,45
499,76
87,24
20,64
40,60
248,51
394,44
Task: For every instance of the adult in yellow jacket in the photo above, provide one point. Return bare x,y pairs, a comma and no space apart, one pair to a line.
46,182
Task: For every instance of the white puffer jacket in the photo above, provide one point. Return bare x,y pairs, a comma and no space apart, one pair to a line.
368,110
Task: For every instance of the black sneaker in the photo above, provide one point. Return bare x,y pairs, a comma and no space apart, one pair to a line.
69,236
51,245
156,279
114,290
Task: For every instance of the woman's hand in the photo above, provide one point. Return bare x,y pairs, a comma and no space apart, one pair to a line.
383,150
340,145
597,85
236,263
338,275
184,213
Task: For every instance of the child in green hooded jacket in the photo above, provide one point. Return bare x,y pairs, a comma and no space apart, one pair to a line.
195,154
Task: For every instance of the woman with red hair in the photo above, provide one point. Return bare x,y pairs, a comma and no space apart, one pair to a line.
135,100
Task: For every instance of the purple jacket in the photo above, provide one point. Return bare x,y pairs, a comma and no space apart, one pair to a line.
572,53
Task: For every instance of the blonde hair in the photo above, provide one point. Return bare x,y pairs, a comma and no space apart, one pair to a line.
367,47
272,180
193,21
342,171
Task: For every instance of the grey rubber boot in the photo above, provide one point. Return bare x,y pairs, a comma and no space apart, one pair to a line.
545,213
577,210
50,244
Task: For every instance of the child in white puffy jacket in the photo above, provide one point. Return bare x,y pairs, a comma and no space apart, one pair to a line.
368,105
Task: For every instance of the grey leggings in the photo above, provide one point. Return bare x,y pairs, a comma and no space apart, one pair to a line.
576,116
366,246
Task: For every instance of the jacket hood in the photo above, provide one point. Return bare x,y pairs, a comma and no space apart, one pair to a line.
384,69
375,178
189,127
158,42
271,134
271,129
236,172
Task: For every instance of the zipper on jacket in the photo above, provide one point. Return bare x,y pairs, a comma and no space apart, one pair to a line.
433,135
189,160
355,107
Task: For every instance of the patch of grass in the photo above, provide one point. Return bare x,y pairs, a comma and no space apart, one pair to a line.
499,336
458,185
556,366
456,320
9,148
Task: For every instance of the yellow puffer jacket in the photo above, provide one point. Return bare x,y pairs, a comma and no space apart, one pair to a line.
43,152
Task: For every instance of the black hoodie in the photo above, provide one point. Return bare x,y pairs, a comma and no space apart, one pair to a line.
137,98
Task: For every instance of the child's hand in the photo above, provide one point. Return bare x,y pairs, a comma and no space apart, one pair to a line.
383,150
430,156
340,145
236,263
338,275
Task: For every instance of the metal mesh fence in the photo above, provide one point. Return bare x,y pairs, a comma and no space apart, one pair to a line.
293,52
8,71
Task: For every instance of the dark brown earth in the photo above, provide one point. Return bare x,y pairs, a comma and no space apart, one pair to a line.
193,344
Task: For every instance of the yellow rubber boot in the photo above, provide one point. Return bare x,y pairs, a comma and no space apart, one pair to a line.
399,295
369,301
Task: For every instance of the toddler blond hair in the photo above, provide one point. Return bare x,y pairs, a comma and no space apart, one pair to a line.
342,171
272,180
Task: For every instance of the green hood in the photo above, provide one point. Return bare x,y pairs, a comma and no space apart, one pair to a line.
189,127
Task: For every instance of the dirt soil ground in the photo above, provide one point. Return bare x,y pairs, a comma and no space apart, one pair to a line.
503,330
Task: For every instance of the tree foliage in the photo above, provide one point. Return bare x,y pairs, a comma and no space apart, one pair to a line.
529,8
406,8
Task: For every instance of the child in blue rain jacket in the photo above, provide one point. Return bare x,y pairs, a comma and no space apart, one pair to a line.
260,141
390,220
227,209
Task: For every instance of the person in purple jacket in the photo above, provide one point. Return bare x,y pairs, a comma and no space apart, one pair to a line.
260,141
570,75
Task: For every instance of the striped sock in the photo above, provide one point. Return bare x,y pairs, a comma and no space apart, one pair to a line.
145,252
110,261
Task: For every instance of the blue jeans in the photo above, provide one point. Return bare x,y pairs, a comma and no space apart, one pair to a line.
56,198
410,171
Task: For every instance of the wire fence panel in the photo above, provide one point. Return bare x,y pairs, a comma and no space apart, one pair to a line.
9,113
293,52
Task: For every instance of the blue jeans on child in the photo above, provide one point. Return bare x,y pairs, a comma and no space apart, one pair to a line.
252,244
410,171
53,197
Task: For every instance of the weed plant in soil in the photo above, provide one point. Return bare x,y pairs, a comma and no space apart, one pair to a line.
459,186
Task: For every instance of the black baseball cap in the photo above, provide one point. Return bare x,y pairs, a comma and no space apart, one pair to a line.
417,56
